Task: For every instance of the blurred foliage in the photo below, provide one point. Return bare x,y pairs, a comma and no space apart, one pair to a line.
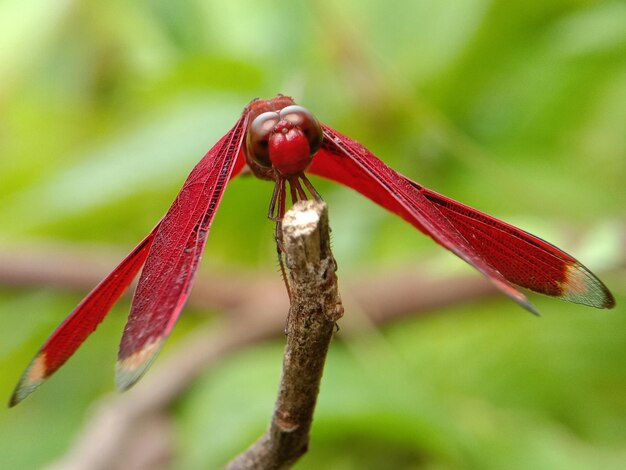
517,108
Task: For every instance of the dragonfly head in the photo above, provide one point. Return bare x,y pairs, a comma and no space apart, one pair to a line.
282,140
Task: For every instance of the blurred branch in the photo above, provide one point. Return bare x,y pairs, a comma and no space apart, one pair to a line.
315,307
382,295
67,267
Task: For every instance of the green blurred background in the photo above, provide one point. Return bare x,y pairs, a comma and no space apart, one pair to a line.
515,107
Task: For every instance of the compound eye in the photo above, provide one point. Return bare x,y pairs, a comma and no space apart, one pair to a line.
257,141
304,119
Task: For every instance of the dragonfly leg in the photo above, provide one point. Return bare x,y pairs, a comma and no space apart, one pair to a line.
277,203
280,251
277,212
311,188
294,193
272,208
296,188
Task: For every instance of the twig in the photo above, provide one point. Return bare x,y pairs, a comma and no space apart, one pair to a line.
315,307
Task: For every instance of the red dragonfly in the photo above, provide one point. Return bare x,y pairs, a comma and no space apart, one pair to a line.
279,141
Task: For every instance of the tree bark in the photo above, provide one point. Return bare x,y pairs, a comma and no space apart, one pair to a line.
315,307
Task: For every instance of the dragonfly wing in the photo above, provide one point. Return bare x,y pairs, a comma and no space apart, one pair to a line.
81,322
503,253
167,277
523,258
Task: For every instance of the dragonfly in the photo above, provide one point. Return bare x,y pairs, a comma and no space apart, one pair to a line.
280,141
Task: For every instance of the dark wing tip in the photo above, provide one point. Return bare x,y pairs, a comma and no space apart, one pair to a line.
35,374
581,286
130,369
